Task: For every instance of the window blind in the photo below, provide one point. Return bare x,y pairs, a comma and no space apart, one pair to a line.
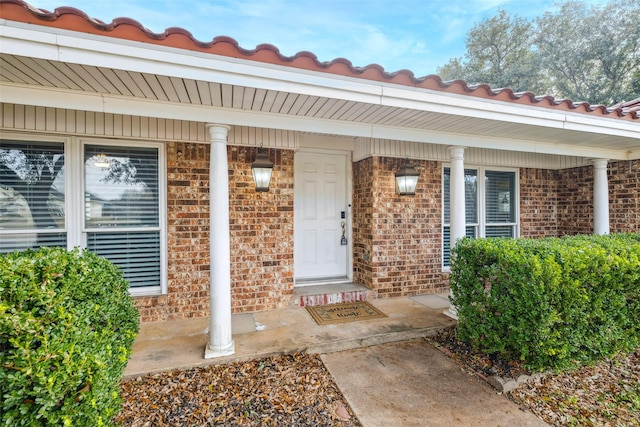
136,253
32,198
499,197
122,215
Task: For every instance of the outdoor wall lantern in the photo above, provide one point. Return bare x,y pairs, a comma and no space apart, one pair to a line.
262,169
407,180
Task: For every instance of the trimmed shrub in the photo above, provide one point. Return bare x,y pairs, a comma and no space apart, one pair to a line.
67,325
554,303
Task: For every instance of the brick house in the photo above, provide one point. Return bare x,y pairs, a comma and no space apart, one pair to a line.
139,146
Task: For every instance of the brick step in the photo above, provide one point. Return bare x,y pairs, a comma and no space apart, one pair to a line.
327,293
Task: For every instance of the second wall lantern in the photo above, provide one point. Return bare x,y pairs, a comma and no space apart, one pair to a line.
262,168
407,180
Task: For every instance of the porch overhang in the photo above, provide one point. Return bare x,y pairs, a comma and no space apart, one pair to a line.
133,78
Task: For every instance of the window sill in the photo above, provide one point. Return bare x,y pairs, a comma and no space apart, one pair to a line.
146,292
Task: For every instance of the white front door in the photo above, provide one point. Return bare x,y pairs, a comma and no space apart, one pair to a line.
320,203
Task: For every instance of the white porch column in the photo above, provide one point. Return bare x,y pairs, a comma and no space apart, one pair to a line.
600,197
457,211
220,339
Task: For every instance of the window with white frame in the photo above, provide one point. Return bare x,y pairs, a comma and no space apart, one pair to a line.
107,197
490,205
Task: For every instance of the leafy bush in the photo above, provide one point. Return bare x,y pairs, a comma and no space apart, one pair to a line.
553,303
67,325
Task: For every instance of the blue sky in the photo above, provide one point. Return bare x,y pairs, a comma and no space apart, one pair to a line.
418,35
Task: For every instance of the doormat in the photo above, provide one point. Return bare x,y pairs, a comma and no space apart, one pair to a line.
344,312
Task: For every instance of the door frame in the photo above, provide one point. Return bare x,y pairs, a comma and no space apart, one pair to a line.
349,201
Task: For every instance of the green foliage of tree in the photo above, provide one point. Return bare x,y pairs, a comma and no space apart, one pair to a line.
581,52
499,51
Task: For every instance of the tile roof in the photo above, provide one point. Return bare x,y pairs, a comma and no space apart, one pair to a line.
629,107
70,18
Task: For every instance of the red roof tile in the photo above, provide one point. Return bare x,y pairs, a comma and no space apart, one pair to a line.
69,18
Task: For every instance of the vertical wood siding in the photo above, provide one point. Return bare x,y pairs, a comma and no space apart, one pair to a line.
61,121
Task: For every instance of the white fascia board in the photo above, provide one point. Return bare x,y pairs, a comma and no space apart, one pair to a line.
351,129
19,41
495,110
108,52
613,127
47,97
214,68
468,106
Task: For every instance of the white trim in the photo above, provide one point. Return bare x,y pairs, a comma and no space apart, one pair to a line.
600,197
74,187
102,103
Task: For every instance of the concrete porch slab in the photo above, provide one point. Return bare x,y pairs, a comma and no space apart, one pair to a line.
180,344
434,301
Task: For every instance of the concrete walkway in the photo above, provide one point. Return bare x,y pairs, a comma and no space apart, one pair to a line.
413,384
384,367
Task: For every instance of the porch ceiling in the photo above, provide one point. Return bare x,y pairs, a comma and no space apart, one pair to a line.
21,75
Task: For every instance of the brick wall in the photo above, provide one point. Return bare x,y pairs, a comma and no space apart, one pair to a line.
363,215
261,235
400,235
575,201
575,198
187,237
624,196
538,203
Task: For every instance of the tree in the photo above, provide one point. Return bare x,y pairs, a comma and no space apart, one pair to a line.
500,53
591,52
581,52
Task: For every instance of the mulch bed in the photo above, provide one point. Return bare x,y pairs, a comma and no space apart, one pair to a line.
605,394
297,390
289,390
475,362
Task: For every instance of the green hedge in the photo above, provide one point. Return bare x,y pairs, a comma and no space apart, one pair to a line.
67,325
553,303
